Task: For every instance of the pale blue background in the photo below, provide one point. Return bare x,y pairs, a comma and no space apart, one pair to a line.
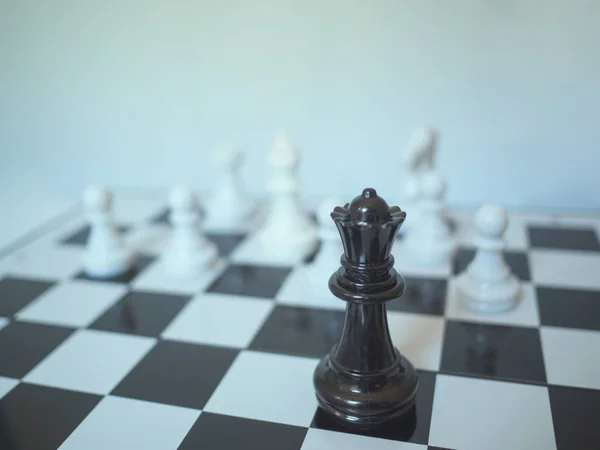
139,93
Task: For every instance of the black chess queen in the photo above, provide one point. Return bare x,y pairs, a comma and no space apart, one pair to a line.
365,381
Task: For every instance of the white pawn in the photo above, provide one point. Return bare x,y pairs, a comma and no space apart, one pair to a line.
289,231
429,239
487,284
229,206
327,260
106,255
189,252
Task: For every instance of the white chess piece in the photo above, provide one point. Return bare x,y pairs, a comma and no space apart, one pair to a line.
487,284
288,230
419,159
106,255
429,239
189,253
327,260
229,206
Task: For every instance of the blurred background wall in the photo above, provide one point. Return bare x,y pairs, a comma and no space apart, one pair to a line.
140,93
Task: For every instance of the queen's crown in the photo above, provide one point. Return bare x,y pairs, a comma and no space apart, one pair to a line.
368,228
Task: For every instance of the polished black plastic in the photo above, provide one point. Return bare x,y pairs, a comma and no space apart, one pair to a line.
365,381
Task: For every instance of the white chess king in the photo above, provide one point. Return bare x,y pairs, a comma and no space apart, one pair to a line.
487,284
106,255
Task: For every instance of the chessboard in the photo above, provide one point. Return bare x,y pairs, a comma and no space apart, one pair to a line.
226,361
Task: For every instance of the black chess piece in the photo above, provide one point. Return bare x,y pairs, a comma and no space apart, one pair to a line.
364,381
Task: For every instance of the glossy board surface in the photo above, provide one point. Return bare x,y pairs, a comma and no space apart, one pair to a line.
229,363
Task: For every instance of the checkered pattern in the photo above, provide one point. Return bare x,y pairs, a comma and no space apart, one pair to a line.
226,361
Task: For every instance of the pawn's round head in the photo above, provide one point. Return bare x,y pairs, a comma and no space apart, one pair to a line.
433,186
182,198
325,208
491,221
97,198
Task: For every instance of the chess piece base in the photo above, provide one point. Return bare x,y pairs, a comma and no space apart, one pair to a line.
107,266
365,401
492,297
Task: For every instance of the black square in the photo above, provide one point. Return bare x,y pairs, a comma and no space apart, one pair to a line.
226,243
493,351
216,431
563,238
299,331
141,313
81,236
422,296
16,293
178,374
414,427
164,216
252,281
141,262
517,261
41,418
575,414
570,308
23,345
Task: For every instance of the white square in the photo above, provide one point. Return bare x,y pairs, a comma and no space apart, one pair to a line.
91,361
563,268
3,322
299,289
6,385
571,357
74,303
124,424
499,415
270,387
317,439
253,251
218,319
156,278
525,314
418,337
44,261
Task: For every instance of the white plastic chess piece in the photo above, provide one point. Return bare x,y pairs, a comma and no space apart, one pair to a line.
189,252
487,284
327,260
229,206
106,255
429,239
419,159
288,230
